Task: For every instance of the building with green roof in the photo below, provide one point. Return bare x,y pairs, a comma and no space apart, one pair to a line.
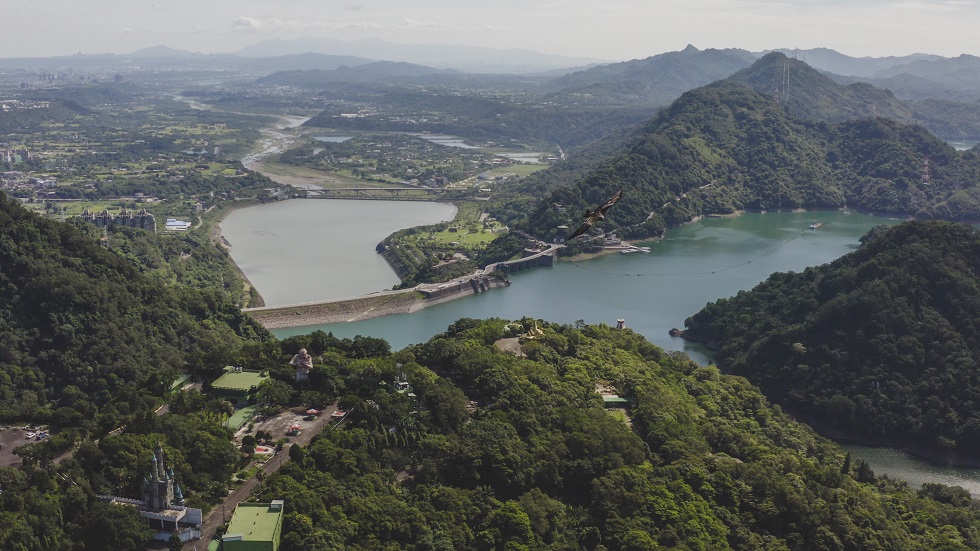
254,527
237,384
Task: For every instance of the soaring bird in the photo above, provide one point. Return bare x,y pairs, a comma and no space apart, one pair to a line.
596,215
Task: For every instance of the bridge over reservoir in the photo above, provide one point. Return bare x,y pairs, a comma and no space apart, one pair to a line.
386,193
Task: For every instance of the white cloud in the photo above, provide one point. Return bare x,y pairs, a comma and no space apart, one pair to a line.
414,24
247,25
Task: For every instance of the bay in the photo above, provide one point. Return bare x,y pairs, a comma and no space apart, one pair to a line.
308,250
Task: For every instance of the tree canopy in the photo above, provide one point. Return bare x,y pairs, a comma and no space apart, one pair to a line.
881,343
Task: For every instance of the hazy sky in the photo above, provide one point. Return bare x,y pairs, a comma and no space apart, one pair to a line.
602,29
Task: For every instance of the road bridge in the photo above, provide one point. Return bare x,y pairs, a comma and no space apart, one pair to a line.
372,192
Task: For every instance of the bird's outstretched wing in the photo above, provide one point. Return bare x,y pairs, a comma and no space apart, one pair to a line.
612,201
581,229
598,214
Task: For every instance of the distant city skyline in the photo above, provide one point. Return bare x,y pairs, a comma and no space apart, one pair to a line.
610,30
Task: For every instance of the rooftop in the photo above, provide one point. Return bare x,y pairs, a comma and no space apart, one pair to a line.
255,521
242,380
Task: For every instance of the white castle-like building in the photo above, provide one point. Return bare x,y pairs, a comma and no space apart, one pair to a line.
163,503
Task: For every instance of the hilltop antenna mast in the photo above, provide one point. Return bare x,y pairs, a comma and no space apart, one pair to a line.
925,171
785,83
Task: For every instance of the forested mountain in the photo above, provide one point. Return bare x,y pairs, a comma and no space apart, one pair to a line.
725,147
949,119
698,461
958,73
807,94
883,344
376,71
656,80
832,61
86,338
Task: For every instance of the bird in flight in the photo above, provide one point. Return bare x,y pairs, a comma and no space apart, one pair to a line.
596,215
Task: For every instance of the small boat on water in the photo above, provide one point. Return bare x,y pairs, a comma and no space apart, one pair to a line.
632,250
815,225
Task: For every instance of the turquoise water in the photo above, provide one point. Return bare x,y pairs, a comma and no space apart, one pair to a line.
695,264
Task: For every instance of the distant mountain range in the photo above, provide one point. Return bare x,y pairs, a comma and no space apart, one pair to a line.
375,71
444,56
656,80
941,93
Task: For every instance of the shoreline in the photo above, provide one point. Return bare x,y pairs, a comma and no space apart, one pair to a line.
219,241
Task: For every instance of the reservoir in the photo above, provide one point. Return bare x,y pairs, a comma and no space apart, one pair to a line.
313,250
916,471
697,263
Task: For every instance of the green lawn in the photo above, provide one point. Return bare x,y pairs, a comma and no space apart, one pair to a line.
240,417
463,237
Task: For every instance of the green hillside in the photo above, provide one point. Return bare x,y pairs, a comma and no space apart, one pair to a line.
883,344
808,94
698,461
88,340
725,147
656,80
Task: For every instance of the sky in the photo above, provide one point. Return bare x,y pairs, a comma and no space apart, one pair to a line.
599,29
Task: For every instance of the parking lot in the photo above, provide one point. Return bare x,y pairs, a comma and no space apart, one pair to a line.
10,439
279,425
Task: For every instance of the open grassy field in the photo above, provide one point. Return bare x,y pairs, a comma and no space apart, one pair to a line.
293,175
466,238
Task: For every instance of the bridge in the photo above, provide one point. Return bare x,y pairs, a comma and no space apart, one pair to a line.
531,258
481,280
375,193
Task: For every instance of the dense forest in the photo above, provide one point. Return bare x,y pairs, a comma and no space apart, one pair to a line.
498,451
725,147
87,338
808,94
882,344
508,452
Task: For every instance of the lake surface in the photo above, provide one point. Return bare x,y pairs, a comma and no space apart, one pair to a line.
901,465
695,264
698,263
962,145
332,139
307,250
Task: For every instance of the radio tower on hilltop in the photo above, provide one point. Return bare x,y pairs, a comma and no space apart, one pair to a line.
925,171
782,90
